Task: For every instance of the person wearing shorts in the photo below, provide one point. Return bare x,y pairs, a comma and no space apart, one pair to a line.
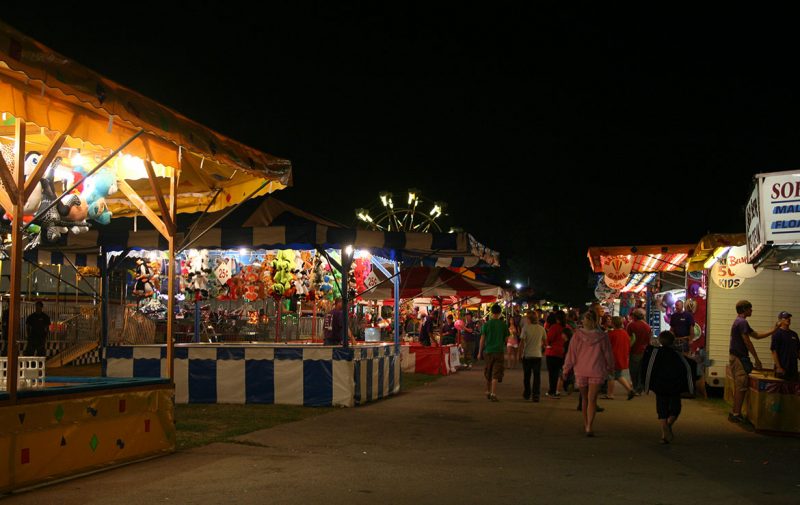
739,360
492,344
590,357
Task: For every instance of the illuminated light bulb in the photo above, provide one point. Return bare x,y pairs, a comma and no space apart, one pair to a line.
348,250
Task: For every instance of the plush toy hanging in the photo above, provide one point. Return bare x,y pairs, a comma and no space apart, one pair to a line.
196,271
143,286
266,275
282,278
251,283
95,190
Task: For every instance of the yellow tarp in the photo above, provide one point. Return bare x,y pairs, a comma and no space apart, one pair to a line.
59,95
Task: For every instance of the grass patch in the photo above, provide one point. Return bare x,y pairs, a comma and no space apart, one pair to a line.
202,424
414,380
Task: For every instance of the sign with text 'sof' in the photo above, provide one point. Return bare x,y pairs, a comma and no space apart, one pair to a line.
779,211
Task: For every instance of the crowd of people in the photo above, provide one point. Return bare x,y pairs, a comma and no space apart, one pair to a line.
593,352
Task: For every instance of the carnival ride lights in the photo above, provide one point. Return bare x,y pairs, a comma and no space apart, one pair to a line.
409,218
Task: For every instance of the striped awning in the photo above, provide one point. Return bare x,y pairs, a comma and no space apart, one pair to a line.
434,282
649,258
429,249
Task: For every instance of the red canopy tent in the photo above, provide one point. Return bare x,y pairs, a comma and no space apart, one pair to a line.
434,282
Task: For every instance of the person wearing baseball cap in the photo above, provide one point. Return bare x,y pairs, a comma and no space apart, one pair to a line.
785,349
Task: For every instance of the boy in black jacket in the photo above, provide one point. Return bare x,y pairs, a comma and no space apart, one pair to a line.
667,373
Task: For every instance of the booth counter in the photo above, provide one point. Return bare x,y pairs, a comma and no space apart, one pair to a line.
772,405
290,374
431,360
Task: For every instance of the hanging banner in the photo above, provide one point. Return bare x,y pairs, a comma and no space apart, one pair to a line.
754,226
602,292
723,277
616,270
738,265
371,280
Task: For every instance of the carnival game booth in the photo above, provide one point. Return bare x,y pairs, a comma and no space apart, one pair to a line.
259,266
651,277
442,287
78,150
772,404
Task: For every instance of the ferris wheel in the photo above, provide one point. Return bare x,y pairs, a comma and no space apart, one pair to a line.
414,214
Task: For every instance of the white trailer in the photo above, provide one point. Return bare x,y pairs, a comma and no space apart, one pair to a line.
770,292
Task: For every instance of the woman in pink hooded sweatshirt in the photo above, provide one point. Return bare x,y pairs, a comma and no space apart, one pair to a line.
591,358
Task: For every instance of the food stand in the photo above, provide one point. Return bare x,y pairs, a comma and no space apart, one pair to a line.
440,286
77,150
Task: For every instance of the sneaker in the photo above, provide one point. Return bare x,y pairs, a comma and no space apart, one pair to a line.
553,397
735,418
631,394
526,397
606,397
488,395
600,409
493,398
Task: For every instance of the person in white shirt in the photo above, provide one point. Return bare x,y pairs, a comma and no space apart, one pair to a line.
531,345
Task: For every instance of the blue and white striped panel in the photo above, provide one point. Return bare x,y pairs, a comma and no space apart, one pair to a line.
289,376
181,379
343,383
231,380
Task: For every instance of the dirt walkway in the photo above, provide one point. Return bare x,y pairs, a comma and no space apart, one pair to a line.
445,443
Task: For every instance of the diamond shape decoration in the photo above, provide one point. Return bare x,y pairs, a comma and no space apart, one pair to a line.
93,443
59,413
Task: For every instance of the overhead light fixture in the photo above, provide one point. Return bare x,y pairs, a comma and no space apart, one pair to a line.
718,253
508,281
348,250
413,196
385,197
518,286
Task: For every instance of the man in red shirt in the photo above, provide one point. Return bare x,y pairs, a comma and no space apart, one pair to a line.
641,333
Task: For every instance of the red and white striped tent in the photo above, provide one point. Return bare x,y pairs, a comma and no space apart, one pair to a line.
434,282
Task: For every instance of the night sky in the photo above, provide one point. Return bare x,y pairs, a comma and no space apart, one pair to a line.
545,132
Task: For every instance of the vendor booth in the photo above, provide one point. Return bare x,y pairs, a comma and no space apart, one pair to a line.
764,271
77,150
651,277
440,287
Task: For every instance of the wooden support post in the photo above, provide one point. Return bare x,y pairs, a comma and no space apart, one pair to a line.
8,193
14,291
162,204
173,209
47,158
146,211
